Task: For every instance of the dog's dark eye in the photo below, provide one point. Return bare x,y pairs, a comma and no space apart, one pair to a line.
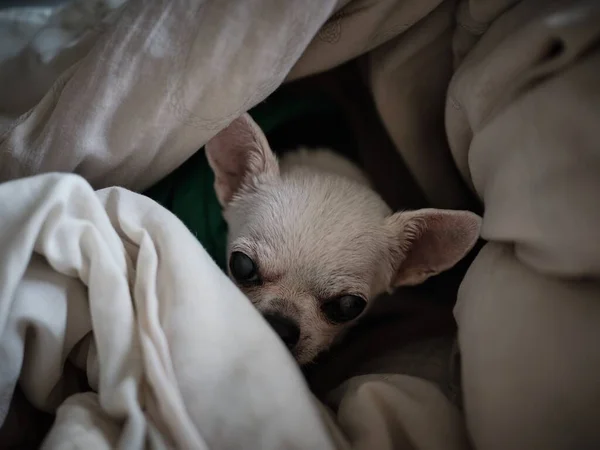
344,309
242,268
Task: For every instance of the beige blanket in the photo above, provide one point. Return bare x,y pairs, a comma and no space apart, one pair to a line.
116,286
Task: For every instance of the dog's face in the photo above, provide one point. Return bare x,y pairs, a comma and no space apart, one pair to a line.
311,250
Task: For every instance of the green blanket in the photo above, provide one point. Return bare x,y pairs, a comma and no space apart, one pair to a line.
188,192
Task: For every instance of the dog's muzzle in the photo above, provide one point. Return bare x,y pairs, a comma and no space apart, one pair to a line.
286,328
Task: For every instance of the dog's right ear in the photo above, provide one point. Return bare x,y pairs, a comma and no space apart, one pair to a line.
240,156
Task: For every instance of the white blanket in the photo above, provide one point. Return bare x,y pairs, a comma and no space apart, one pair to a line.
178,355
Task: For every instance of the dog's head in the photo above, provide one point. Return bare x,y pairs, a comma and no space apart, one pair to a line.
311,250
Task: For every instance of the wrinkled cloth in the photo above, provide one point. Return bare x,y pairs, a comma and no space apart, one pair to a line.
494,102
117,286
151,84
522,115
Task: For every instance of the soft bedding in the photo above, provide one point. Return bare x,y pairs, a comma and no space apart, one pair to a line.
95,279
494,102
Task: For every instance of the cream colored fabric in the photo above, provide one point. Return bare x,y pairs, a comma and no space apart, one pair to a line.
395,412
531,366
408,78
408,66
158,81
40,43
523,130
521,114
179,357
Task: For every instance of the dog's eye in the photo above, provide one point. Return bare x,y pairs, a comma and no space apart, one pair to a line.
242,268
344,309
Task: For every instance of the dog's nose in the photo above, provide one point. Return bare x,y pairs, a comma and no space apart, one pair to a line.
286,328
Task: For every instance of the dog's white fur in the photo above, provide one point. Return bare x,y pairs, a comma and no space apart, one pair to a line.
317,230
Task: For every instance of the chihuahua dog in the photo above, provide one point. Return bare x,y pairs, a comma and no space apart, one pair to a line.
311,244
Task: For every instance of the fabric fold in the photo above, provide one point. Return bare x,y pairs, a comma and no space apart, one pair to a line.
177,343
150,91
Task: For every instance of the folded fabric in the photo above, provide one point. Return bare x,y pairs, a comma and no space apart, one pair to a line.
116,286
151,85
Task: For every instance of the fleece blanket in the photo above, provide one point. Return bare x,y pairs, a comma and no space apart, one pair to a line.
490,102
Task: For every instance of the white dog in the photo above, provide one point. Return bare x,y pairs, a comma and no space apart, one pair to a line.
312,245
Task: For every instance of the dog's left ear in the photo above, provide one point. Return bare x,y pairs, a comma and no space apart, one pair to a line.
430,241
